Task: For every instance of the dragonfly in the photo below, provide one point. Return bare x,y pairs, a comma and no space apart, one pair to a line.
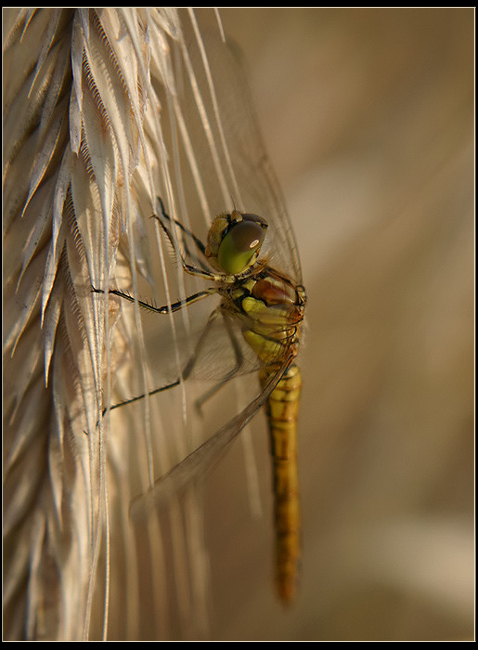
265,308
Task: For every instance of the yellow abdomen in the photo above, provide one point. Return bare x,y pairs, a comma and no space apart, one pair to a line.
282,408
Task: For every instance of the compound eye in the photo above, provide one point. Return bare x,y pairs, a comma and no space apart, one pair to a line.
241,244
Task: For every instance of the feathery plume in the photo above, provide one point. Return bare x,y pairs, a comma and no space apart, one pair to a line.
86,93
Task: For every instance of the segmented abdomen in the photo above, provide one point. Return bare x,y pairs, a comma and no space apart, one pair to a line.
282,408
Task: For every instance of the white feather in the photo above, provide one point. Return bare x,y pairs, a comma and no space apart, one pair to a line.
94,131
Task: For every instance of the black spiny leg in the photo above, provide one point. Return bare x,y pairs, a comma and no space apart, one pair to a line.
135,399
199,245
165,309
202,271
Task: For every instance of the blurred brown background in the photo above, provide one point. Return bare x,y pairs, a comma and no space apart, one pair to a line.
368,118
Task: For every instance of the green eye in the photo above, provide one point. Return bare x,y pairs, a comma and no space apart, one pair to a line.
241,243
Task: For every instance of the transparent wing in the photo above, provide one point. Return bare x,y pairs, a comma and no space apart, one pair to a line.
222,160
210,346
219,163
201,459
258,191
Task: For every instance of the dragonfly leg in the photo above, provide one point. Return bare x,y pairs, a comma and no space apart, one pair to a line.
192,361
151,392
197,242
165,309
202,272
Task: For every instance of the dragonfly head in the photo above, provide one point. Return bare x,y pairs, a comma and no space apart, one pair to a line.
234,241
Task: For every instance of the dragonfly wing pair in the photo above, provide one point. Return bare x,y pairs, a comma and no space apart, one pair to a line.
263,308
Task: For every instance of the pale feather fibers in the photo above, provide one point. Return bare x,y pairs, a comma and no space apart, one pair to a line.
83,155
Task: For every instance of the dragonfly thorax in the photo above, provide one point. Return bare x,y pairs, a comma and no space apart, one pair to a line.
270,307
